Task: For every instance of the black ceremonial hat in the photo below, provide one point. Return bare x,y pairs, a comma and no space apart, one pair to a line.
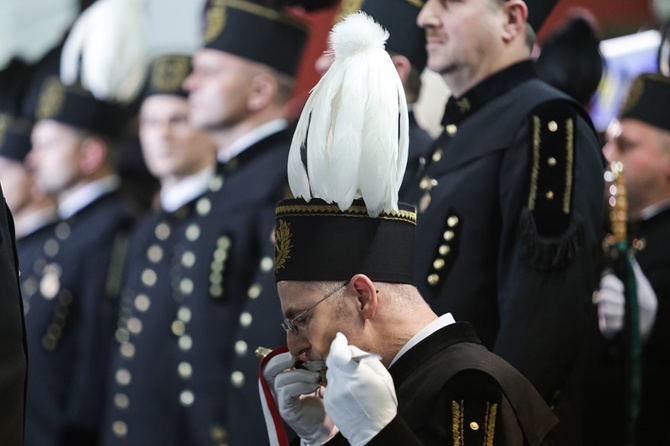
649,101
167,74
317,241
255,32
398,17
75,106
538,11
15,126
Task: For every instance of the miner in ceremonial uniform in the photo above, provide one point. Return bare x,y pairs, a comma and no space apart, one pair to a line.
510,202
141,406
395,373
407,46
236,93
627,382
80,116
13,355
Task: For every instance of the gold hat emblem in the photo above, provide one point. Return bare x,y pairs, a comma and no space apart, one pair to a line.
282,245
634,95
349,6
168,73
51,99
215,20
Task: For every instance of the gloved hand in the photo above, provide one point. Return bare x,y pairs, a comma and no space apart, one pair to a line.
299,407
360,397
611,304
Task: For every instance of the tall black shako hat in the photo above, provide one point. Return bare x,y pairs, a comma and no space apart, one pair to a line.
649,100
346,164
398,17
15,126
167,74
102,69
255,32
538,11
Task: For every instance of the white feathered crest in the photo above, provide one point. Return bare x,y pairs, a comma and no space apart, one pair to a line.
354,128
106,50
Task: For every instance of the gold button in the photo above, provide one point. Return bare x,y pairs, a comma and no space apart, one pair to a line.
452,221
549,195
474,426
186,286
216,183
149,277
241,348
123,377
451,129
186,398
220,256
223,242
267,264
448,235
437,155
246,319
122,335
193,232
444,250
433,279
49,342
237,379
219,435
134,325
120,429
185,370
142,302
65,298
203,206
155,253
254,291
49,285
185,343
551,161
121,401
188,259
162,231
438,264
552,126
63,231
178,328
127,350
216,290
51,247
184,314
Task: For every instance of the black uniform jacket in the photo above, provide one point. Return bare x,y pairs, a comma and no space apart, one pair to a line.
452,391
12,337
509,216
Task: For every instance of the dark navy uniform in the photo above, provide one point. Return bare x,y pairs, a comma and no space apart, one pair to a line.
509,216
451,391
175,385
13,354
420,145
70,322
606,414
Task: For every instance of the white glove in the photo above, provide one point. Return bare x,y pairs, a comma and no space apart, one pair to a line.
360,397
294,392
611,304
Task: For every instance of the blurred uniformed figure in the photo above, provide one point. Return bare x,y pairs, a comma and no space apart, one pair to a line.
407,46
80,114
240,82
14,137
640,141
146,376
510,202
395,372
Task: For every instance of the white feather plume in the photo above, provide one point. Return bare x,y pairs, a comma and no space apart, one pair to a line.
354,127
106,50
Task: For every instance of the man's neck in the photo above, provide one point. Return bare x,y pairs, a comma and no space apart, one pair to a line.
461,80
225,138
34,216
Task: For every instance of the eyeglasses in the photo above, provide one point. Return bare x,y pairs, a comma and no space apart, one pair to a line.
289,324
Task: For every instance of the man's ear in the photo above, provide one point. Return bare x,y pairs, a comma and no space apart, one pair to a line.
92,155
516,15
366,293
263,91
403,66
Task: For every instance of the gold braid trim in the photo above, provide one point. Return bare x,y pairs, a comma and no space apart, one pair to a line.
569,160
490,423
536,163
457,422
334,211
268,13
417,3
283,245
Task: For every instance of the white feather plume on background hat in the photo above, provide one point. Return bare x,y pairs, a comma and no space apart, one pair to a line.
351,140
